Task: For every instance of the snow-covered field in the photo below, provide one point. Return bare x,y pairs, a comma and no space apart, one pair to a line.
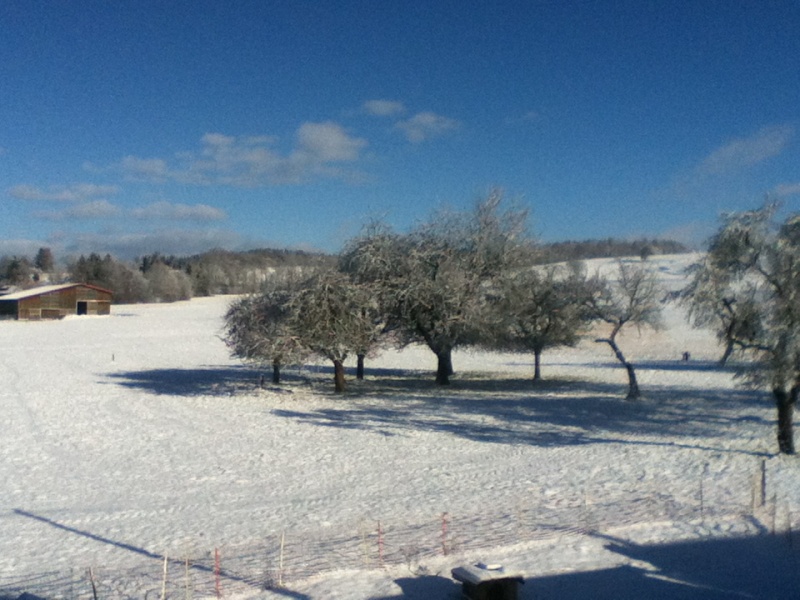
134,441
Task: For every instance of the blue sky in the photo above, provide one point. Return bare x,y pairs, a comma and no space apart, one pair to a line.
132,127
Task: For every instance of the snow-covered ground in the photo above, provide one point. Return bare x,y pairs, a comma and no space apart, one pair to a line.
134,442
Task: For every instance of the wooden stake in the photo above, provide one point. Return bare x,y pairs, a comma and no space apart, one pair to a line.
280,560
702,501
380,544
164,580
188,586
444,534
774,513
217,580
364,546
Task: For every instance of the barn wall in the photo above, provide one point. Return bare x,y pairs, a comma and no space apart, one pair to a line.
61,303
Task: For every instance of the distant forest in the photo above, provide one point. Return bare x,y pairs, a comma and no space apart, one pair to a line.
158,278
606,248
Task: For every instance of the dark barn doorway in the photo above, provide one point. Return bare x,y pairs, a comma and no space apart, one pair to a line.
83,308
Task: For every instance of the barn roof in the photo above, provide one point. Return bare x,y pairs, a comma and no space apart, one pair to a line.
47,289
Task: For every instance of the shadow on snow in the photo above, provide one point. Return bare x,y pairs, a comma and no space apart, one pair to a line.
763,567
489,409
57,584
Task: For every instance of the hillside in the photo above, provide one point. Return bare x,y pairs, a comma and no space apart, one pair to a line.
136,438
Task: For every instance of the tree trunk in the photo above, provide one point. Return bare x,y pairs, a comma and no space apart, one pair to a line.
726,355
276,371
785,403
360,367
338,377
444,366
633,385
537,365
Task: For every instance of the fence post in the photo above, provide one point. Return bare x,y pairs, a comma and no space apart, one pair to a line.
702,501
217,578
164,579
280,560
444,533
188,594
380,544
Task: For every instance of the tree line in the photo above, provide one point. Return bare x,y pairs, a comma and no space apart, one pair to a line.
221,271
159,278
607,248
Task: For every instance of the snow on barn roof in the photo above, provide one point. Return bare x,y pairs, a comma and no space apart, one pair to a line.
47,289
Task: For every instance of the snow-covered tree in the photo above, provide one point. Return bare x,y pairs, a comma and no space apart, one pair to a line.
631,299
328,316
539,308
432,281
257,329
751,276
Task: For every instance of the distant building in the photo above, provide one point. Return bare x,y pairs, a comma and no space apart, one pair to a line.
55,302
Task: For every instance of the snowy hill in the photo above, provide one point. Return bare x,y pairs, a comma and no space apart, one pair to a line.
134,442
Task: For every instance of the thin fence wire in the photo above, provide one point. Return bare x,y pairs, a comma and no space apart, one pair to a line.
294,555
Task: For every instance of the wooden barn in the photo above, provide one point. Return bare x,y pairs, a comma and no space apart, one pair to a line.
56,302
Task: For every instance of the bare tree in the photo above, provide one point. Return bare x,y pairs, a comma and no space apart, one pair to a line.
432,282
257,329
632,299
167,284
538,309
328,317
752,272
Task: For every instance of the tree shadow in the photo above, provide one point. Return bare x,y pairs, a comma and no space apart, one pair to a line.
207,381
551,413
487,408
692,365
684,365
757,567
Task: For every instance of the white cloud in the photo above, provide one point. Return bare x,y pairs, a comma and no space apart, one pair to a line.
98,209
320,150
786,189
746,152
78,192
383,108
327,143
426,125
178,212
145,169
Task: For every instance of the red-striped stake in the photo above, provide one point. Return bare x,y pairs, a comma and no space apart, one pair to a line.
380,544
217,582
444,533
